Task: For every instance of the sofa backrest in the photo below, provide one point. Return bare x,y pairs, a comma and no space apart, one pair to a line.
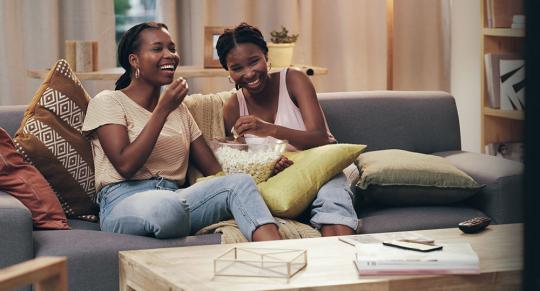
10,117
420,121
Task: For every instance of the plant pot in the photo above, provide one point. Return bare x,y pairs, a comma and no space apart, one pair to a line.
280,54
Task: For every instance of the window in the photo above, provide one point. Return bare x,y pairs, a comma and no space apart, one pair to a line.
131,12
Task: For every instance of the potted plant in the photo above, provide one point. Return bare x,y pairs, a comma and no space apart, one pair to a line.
281,47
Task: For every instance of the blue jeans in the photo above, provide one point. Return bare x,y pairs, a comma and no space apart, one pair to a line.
334,204
157,207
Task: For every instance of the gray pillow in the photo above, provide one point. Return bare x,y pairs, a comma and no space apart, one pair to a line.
402,178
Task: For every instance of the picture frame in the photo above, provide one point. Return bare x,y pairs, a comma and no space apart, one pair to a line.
211,35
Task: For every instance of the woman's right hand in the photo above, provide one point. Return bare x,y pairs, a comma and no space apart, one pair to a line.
251,124
173,95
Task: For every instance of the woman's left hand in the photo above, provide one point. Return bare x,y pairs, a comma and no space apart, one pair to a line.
250,124
281,165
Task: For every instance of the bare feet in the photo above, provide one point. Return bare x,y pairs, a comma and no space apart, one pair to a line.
336,229
266,232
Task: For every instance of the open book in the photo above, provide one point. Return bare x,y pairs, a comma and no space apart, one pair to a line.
378,259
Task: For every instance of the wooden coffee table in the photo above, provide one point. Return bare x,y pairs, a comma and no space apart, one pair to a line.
329,266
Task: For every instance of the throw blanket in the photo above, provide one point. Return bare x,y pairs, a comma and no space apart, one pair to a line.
289,229
207,110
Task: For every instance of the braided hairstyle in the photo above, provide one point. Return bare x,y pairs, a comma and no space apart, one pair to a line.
129,43
243,33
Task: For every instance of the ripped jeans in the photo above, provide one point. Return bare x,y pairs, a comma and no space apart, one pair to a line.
157,207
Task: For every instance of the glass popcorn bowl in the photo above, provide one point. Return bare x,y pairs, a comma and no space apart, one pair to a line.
254,156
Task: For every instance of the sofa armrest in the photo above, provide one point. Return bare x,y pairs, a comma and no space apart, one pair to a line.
45,273
16,243
502,197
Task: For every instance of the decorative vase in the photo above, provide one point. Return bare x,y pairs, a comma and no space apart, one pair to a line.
280,54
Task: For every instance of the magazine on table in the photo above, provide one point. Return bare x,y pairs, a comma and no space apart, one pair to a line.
379,259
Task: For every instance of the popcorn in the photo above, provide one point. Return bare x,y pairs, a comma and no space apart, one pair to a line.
257,160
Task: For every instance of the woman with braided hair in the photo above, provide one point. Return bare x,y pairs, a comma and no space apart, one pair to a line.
282,105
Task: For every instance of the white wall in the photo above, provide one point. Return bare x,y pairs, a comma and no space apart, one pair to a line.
465,69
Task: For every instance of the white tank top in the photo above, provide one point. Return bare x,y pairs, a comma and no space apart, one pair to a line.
288,114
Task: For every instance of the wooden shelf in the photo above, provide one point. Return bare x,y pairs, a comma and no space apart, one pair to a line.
504,32
498,126
510,114
182,71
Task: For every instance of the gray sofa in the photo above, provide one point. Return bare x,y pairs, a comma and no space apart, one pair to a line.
425,122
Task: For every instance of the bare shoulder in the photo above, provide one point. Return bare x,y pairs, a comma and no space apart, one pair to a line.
299,86
296,75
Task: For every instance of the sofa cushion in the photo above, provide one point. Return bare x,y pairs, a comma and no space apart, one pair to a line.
403,178
290,191
93,255
50,138
414,218
503,179
24,182
11,116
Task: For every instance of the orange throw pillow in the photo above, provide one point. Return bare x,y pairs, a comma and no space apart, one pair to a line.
25,182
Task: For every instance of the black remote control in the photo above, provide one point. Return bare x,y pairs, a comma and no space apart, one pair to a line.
474,225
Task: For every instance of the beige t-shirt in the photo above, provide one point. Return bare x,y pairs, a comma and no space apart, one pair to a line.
169,159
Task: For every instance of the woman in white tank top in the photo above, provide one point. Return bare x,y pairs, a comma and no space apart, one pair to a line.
282,105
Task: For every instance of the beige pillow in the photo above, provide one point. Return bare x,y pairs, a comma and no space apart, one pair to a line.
207,110
401,178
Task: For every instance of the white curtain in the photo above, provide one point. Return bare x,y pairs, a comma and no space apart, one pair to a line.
348,37
33,35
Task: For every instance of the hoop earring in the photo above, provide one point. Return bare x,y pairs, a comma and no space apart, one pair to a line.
137,73
230,80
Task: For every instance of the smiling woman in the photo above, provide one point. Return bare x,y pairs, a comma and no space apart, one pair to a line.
150,40
282,105
142,140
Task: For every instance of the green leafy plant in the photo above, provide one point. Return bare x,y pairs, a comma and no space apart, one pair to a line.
283,36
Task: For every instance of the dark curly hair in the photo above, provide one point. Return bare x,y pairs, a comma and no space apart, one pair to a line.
129,43
243,33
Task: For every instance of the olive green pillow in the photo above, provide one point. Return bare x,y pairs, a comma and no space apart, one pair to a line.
292,190
403,178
